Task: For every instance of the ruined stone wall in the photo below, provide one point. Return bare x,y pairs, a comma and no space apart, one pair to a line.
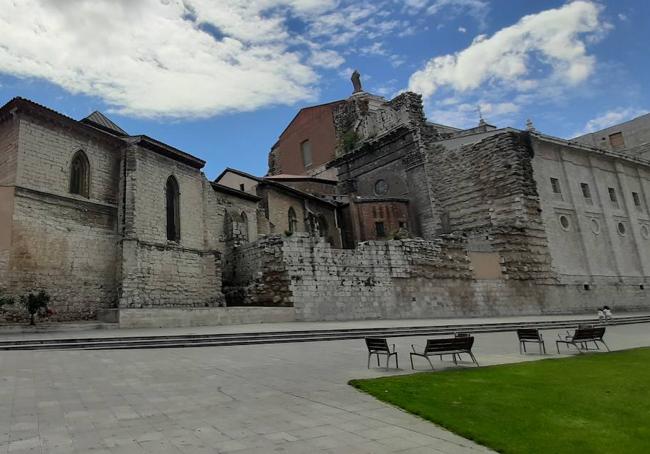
401,279
254,274
487,192
62,243
157,272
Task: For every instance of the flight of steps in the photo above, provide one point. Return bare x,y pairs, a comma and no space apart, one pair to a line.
250,338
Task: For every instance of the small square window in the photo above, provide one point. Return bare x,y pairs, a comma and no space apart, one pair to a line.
555,185
241,187
379,229
637,199
612,195
586,192
616,141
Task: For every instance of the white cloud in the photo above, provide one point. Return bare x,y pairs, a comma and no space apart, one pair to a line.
466,115
462,29
157,58
551,37
326,59
610,118
478,9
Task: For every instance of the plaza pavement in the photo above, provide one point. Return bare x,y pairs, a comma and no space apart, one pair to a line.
273,398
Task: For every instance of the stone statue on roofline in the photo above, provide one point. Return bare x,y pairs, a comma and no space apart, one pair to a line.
356,82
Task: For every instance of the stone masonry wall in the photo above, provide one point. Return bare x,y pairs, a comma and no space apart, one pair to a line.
487,192
156,272
62,243
254,274
8,163
403,279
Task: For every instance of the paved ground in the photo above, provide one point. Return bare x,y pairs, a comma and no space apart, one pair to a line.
287,398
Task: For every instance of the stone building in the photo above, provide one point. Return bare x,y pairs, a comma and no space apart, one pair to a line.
103,220
369,210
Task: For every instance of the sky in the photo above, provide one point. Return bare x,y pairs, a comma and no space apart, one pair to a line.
221,79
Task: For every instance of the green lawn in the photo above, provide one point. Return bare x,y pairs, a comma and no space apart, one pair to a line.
594,403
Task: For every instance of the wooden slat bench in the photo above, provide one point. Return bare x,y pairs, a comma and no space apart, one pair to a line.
454,346
379,346
530,335
583,336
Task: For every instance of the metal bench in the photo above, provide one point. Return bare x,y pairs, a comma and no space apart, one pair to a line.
452,346
582,337
379,346
530,335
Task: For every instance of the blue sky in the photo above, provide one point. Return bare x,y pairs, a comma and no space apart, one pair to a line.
221,79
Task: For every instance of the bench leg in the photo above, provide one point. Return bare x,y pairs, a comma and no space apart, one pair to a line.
543,345
525,347
603,342
396,362
427,358
473,359
378,365
411,358
369,354
520,350
557,345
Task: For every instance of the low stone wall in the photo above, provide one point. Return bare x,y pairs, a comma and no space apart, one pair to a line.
213,316
162,275
409,279
255,274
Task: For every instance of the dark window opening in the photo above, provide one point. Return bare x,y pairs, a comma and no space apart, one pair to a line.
637,199
380,230
241,187
555,185
586,192
79,171
293,221
173,210
612,195
586,287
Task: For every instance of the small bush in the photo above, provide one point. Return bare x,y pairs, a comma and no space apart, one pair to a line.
36,304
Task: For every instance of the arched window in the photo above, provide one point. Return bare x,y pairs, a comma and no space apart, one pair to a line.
173,210
244,226
323,228
293,221
79,174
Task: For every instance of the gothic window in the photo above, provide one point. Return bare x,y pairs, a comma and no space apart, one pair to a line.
173,210
79,174
244,226
293,221
323,228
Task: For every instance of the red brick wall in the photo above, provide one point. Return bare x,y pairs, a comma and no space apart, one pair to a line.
390,213
315,124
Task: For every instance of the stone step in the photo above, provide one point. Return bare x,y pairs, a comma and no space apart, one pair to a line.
201,340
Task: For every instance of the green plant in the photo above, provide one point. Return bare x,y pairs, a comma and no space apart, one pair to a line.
35,303
350,140
6,300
